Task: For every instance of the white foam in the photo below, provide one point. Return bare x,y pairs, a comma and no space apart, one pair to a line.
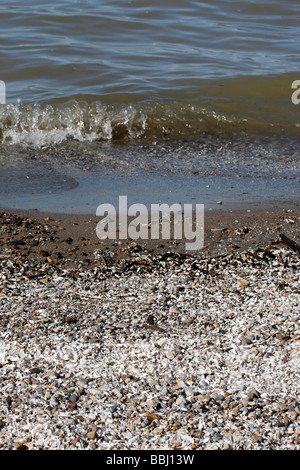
37,125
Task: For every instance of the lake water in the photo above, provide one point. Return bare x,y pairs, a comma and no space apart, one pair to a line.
146,72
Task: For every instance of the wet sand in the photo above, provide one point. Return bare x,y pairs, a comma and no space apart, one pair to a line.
76,177
67,239
257,195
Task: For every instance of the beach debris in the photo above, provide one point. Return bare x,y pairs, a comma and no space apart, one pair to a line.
221,229
290,243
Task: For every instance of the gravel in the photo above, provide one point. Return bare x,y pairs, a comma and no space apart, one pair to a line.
153,351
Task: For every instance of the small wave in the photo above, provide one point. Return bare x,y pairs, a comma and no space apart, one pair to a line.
38,125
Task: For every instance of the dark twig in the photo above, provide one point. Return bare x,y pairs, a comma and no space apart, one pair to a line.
290,243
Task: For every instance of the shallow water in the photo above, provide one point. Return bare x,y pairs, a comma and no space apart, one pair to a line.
133,69
78,177
192,90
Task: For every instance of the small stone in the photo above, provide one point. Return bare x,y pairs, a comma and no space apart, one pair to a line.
71,406
180,401
180,384
74,441
70,319
35,370
158,430
73,398
242,283
286,420
92,435
170,355
151,416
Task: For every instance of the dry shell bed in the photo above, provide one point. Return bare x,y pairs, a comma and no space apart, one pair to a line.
153,352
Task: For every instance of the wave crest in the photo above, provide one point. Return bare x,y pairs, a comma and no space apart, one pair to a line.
49,124
37,125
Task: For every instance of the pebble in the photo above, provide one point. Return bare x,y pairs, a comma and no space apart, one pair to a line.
170,355
73,398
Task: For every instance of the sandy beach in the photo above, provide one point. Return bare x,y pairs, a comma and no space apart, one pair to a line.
121,345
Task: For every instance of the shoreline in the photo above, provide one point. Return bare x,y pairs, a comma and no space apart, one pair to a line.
76,177
73,238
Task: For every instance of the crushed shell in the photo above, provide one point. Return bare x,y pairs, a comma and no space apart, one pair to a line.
159,352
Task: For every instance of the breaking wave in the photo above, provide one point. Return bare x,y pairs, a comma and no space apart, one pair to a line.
49,124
